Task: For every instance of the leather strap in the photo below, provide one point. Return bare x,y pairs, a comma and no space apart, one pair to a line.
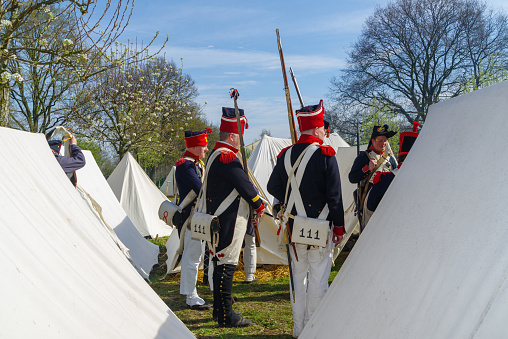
295,180
201,203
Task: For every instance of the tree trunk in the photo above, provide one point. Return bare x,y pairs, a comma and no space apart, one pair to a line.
4,105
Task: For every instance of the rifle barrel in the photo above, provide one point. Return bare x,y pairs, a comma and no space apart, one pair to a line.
245,168
291,119
296,87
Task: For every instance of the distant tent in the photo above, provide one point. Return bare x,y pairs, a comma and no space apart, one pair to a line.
269,251
139,197
433,260
63,276
168,187
143,253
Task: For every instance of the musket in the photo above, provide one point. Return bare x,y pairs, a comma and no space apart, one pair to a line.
359,193
233,93
294,138
290,272
291,119
296,86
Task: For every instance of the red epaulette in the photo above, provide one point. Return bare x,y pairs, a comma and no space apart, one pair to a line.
283,150
180,161
227,157
327,150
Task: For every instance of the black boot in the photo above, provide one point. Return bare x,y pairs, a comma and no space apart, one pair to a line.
243,322
223,303
239,313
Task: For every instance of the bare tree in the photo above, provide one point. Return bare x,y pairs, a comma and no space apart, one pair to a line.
28,39
486,40
413,53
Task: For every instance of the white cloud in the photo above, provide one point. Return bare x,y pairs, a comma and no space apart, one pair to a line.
211,58
245,83
498,4
336,23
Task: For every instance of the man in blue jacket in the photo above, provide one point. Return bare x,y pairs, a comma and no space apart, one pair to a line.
228,185
319,190
72,163
189,175
367,164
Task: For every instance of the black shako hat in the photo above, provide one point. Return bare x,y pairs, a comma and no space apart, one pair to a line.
55,145
381,130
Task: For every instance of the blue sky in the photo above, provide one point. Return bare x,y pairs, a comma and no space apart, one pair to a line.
228,44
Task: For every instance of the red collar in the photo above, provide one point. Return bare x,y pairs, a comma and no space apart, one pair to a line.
371,149
191,155
220,144
309,139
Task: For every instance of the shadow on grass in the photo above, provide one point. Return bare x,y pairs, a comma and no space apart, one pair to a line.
263,298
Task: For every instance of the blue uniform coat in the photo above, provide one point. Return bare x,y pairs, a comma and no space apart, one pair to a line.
360,170
225,174
188,176
74,162
320,183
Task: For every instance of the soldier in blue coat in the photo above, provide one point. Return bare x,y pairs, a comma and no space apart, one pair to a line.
228,184
319,189
69,164
382,180
373,160
188,175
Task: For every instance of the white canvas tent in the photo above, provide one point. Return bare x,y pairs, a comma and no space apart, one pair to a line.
139,197
433,261
62,274
142,253
168,187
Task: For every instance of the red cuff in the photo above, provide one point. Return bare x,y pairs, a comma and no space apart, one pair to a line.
365,168
262,207
338,230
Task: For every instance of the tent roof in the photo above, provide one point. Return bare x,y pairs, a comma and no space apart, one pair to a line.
139,197
168,187
62,274
142,253
433,261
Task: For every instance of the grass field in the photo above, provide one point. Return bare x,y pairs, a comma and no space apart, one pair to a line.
265,302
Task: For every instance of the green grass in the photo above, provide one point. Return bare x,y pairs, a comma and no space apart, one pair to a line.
265,302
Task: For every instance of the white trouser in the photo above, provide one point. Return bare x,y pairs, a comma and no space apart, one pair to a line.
210,273
310,275
191,259
249,255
